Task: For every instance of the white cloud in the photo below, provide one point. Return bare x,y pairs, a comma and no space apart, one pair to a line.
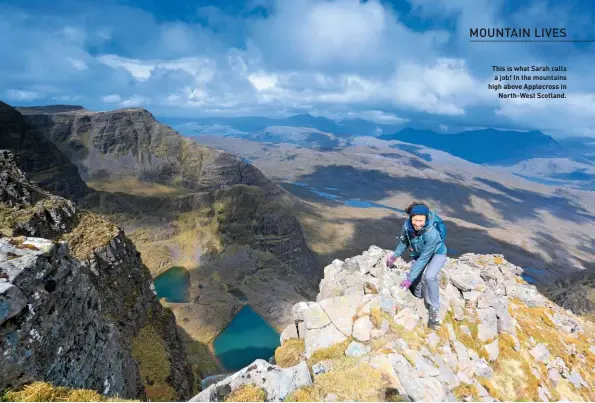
382,117
201,69
22,95
445,88
263,81
112,98
77,64
343,58
134,101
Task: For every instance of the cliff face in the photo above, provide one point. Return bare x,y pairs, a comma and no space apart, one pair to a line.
132,142
575,292
77,306
125,150
366,339
40,158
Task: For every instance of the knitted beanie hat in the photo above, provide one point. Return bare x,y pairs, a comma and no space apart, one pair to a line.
420,209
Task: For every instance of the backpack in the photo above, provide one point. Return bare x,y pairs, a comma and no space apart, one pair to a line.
440,226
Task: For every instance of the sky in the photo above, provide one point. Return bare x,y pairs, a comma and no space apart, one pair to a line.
385,61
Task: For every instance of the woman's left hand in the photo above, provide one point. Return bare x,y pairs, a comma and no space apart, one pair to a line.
405,284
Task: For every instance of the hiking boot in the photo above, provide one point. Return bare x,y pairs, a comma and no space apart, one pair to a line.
433,318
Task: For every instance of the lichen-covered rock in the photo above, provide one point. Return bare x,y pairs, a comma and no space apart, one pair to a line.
356,349
12,301
275,381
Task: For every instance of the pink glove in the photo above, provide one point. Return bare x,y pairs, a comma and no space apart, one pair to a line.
391,260
405,284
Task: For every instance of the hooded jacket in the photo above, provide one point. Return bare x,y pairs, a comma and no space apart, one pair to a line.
423,245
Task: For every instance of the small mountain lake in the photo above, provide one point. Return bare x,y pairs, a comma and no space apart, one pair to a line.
173,285
531,275
247,338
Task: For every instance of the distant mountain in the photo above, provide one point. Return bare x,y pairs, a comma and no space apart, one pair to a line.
488,146
571,172
217,126
301,136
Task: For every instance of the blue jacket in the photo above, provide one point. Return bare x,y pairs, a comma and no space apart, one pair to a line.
423,246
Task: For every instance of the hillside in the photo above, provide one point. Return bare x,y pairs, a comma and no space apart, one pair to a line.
365,339
191,206
79,307
350,198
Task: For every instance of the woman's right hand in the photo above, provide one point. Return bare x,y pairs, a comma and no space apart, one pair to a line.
391,260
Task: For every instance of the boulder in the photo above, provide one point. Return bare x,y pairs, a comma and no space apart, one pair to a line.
466,278
407,318
298,310
290,332
526,293
577,380
277,382
362,329
341,311
325,337
383,364
416,388
12,301
356,349
315,317
493,350
488,326
540,353
433,340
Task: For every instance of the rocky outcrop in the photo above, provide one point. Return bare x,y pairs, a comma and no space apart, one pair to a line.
43,162
131,143
77,306
500,339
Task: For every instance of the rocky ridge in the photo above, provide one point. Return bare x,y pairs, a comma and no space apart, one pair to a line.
116,151
501,340
77,306
43,162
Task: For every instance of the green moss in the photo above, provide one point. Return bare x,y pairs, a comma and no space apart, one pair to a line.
148,349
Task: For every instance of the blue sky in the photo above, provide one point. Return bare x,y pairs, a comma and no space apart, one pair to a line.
387,61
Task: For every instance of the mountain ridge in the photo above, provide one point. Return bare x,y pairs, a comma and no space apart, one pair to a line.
365,339
485,146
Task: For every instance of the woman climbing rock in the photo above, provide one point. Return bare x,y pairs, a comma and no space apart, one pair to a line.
423,234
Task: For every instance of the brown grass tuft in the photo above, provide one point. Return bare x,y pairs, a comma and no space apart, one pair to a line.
465,390
289,353
376,316
335,351
247,393
45,392
92,232
349,380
